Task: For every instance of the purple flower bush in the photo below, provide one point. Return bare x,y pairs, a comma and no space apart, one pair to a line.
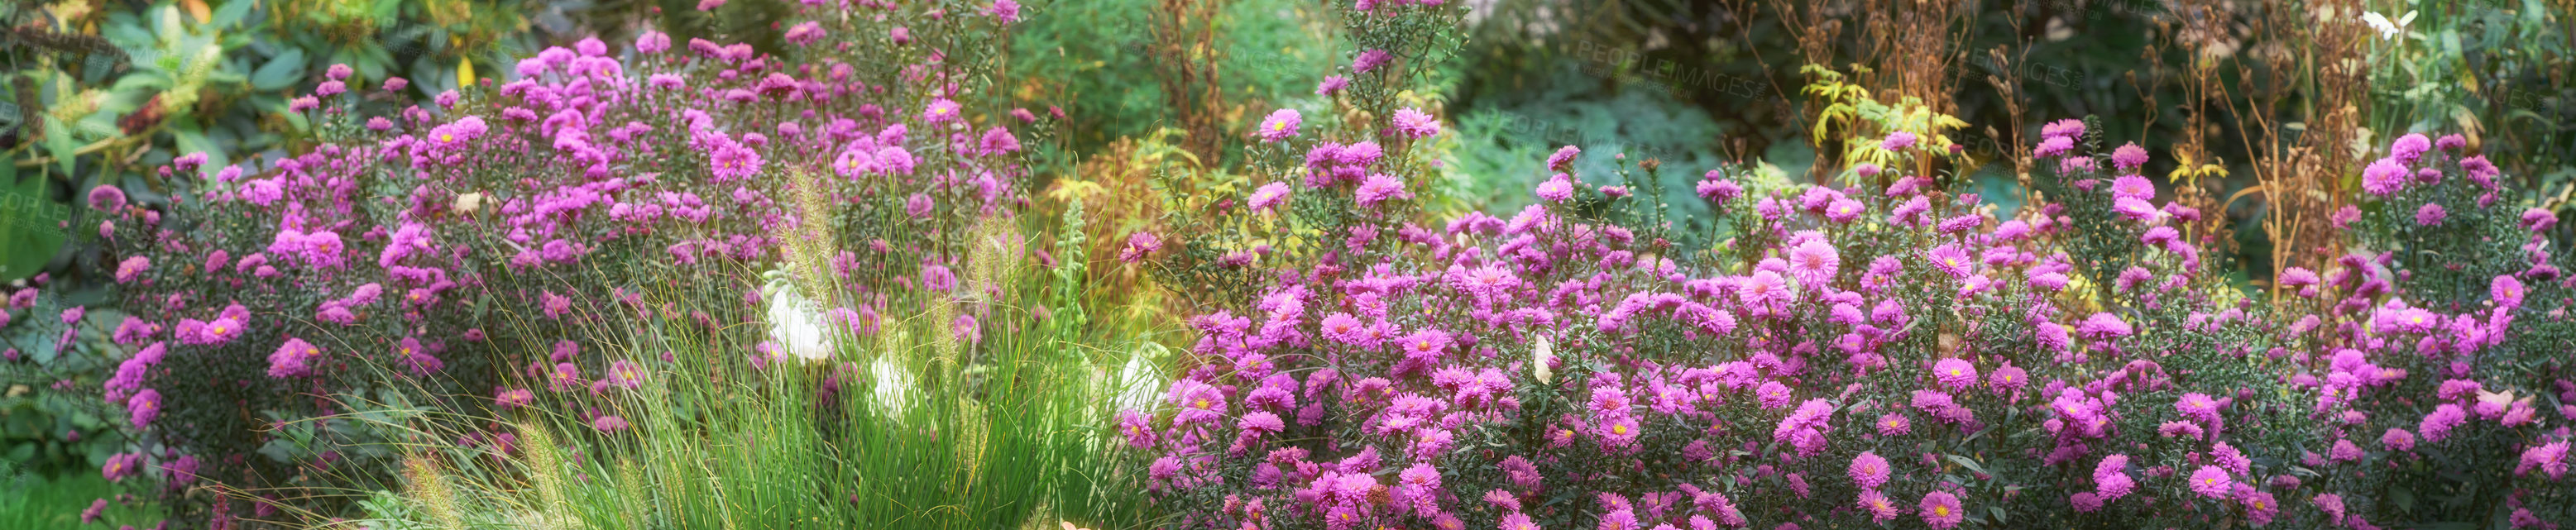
485,253
1870,354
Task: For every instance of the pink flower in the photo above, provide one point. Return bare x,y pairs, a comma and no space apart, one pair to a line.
2212,482
940,110
1557,189
1955,373
1371,60
1896,141
1869,470
1415,123
1814,263
1941,510
293,359
1894,424
1952,259
2550,458
1139,246
2103,326
1380,188
1281,125
2111,478
1880,509
144,407
2198,406
2129,156
1332,84
1268,197
2429,215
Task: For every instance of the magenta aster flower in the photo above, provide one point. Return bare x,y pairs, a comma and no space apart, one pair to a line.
1332,84
1139,246
1941,510
1894,424
609,424
1380,188
1896,141
1952,259
2398,440
2260,507
1557,188
625,374
144,407
2198,406
2111,478
2103,326
1268,197
732,160
1371,60
2430,215
1956,373
940,110
1869,470
2438,424
1260,424
2012,378
1005,11
2384,176
1814,263
132,268
122,465
293,359
1415,123
2549,458
2212,482
1281,125
1518,521
2053,147
1880,509
2129,156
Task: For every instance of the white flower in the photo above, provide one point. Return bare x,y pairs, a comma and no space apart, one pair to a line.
796,326
893,386
1138,383
1538,360
2388,30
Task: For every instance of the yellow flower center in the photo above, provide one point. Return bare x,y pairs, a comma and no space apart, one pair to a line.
1941,511
1621,430
447,138
1203,403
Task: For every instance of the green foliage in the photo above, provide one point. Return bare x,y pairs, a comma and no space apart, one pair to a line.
31,500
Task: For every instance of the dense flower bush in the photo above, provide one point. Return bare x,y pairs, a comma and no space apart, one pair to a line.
481,254
1883,353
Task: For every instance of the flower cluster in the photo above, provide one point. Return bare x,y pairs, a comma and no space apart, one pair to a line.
477,245
1875,354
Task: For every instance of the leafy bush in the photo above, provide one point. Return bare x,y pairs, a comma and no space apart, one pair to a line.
1876,353
282,323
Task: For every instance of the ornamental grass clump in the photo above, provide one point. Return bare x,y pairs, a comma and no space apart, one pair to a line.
1879,354
483,253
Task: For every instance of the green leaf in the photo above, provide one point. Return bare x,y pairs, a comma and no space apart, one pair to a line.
230,13
1967,463
280,72
60,144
